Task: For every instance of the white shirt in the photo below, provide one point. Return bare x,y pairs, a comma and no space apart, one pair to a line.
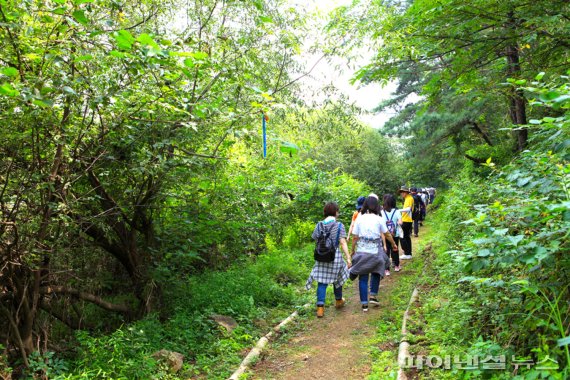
369,229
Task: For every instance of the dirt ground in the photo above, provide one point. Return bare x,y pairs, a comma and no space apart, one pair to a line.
332,347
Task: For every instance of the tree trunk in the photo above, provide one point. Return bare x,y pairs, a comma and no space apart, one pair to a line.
517,101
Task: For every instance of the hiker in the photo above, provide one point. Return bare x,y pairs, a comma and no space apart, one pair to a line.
336,271
431,192
407,221
416,211
359,203
425,202
393,219
368,251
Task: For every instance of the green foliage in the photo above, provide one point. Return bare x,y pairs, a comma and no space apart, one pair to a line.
506,248
257,290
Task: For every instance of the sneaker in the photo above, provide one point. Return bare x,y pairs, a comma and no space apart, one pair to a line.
339,303
320,311
406,257
416,235
397,269
365,307
386,272
373,301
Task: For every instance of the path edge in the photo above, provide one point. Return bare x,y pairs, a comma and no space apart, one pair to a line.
261,343
403,352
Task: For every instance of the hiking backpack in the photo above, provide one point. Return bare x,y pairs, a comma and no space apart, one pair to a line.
325,247
417,211
390,224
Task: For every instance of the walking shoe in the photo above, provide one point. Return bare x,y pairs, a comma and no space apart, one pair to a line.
320,311
365,307
397,269
386,272
406,257
373,301
416,235
339,303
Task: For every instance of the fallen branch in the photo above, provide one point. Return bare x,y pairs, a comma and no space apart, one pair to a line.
261,343
87,297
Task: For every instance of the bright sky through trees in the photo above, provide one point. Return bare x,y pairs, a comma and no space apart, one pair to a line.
327,72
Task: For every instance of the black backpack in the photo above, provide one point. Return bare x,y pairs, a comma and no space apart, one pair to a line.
417,211
325,247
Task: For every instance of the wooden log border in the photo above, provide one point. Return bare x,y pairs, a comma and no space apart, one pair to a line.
261,343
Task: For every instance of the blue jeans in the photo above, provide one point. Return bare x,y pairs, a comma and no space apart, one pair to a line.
322,293
363,286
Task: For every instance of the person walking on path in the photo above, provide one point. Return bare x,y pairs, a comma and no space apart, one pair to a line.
336,271
393,219
359,203
368,249
416,211
407,221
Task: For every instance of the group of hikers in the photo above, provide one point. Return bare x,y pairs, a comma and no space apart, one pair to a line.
375,234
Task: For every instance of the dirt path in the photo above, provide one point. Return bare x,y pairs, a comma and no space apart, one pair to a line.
333,347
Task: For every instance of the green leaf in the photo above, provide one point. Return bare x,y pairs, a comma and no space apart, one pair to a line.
266,19
59,10
80,17
479,264
550,95
124,39
539,76
69,90
117,54
199,55
8,90
515,240
287,147
79,2
563,341
147,40
10,72
87,57
44,103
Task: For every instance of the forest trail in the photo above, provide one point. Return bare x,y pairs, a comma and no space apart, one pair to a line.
335,346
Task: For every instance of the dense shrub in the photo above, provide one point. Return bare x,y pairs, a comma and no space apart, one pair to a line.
503,240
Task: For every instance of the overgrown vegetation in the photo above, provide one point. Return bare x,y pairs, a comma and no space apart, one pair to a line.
499,285
135,203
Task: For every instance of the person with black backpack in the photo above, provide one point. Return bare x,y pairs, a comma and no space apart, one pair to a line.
393,219
329,268
417,210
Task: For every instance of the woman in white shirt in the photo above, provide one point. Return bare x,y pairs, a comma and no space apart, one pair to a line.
368,250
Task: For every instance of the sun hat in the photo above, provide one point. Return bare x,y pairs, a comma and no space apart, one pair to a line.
403,189
360,202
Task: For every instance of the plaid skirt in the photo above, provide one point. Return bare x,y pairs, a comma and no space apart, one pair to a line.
335,272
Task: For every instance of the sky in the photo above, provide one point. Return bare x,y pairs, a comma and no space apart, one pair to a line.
367,97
